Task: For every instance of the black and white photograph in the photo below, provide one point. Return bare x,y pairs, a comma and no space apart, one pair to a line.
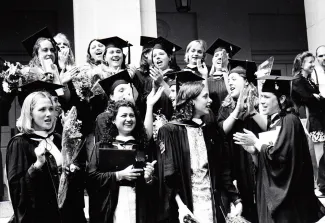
162,111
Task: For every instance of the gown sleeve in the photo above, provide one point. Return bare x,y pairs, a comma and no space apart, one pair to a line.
282,164
97,179
23,178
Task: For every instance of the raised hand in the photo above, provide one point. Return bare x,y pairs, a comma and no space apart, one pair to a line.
69,75
157,75
131,69
202,68
40,154
154,95
247,139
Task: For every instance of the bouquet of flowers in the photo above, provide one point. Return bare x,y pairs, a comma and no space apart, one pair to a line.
11,75
159,120
71,146
83,85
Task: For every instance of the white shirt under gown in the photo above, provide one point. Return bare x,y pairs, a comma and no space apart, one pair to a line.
201,185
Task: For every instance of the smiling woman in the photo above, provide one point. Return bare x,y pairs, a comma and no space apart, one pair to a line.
193,162
284,164
238,111
121,194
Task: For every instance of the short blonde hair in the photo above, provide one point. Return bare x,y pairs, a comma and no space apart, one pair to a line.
25,121
201,42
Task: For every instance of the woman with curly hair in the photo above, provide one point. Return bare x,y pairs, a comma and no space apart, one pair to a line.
122,194
285,184
193,168
238,111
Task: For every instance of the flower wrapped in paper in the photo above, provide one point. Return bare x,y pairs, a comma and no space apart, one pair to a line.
159,121
71,146
83,85
11,75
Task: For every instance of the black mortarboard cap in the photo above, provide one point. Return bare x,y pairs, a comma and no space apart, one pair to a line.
220,43
166,45
115,41
109,84
249,66
28,88
181,77
146,41
278,85
29,42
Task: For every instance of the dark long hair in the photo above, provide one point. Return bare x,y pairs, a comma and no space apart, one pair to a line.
184,107
110,133
91,60
144,65
35,62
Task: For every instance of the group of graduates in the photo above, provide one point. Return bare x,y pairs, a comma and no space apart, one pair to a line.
159,143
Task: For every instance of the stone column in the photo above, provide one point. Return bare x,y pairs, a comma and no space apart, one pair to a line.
128,19
315,23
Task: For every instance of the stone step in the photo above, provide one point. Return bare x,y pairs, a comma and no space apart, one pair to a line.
6,209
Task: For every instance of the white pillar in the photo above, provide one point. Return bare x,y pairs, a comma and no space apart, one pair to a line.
315,22
128,19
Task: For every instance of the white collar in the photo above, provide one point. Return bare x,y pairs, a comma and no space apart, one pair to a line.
197,121
191,65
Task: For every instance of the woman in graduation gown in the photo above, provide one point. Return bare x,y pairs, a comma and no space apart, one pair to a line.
306,93
6,99
221,52
121,195
164,62
234,116
193,168
119,87
142,73
44,63
285,184
195,50
33,164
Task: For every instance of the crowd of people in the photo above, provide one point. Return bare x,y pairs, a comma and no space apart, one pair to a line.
158,143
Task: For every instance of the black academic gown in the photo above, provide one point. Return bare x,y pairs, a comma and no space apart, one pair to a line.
164,105
285,183
33,191
302,95
174,170
6,100
243,168
218,92
103,191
